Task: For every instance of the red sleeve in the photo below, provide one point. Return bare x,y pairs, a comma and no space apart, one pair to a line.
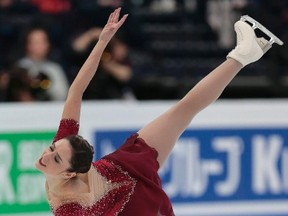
66,127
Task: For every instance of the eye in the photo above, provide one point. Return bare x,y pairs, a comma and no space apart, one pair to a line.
56,160
51,148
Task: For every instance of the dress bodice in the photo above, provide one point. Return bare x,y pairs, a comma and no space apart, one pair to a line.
124,183
110,189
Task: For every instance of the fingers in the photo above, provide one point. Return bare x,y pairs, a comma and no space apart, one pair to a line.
114,16
110,18
122,20
117,14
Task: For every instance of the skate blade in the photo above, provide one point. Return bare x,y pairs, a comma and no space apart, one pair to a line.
256,24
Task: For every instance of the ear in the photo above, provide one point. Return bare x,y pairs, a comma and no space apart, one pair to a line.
69,175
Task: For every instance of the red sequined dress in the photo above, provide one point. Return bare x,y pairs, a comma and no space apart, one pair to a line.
123,183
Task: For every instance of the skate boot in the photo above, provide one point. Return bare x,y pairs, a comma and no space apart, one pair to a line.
250,48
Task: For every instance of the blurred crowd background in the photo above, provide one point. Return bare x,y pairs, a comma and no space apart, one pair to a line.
163,50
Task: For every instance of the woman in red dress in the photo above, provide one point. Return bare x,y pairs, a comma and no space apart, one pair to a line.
126,182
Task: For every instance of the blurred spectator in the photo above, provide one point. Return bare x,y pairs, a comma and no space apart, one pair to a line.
52,6
117,71
165,4
13,15
38,63
221,18
57,15
4,81
21,87
114,73
84,17
274,14
69,18
110,3
85,11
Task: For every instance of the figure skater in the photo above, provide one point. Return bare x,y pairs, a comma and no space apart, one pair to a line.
126,182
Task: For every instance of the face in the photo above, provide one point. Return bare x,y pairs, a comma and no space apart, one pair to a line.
55,159
38,45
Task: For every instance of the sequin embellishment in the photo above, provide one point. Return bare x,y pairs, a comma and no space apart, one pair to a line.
113,201
66,127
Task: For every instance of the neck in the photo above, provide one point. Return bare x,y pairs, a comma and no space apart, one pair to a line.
56,184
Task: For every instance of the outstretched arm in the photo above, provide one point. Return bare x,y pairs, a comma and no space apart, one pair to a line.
72,105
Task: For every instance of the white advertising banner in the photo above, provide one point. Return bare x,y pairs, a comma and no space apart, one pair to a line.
232,159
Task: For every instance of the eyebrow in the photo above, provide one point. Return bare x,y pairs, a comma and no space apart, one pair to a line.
57,153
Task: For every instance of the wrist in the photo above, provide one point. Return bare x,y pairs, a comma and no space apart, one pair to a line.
103,42
101,45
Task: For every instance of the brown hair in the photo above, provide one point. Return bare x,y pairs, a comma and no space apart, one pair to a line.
82,154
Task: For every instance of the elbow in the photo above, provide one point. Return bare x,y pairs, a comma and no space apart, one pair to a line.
75,92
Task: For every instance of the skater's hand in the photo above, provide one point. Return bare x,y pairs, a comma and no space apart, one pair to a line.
113,24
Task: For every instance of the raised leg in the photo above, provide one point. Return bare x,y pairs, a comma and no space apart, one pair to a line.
163,132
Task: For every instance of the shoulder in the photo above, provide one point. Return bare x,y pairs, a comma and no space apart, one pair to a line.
66,127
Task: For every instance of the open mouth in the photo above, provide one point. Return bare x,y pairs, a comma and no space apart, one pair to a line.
40,162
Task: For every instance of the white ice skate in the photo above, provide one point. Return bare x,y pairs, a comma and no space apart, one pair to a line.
256,24
249,47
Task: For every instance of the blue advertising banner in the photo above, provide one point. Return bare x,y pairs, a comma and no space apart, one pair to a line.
239,171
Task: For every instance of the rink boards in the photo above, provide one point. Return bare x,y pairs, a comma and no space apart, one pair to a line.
232,160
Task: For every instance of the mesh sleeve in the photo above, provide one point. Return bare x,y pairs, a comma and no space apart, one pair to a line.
66,127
